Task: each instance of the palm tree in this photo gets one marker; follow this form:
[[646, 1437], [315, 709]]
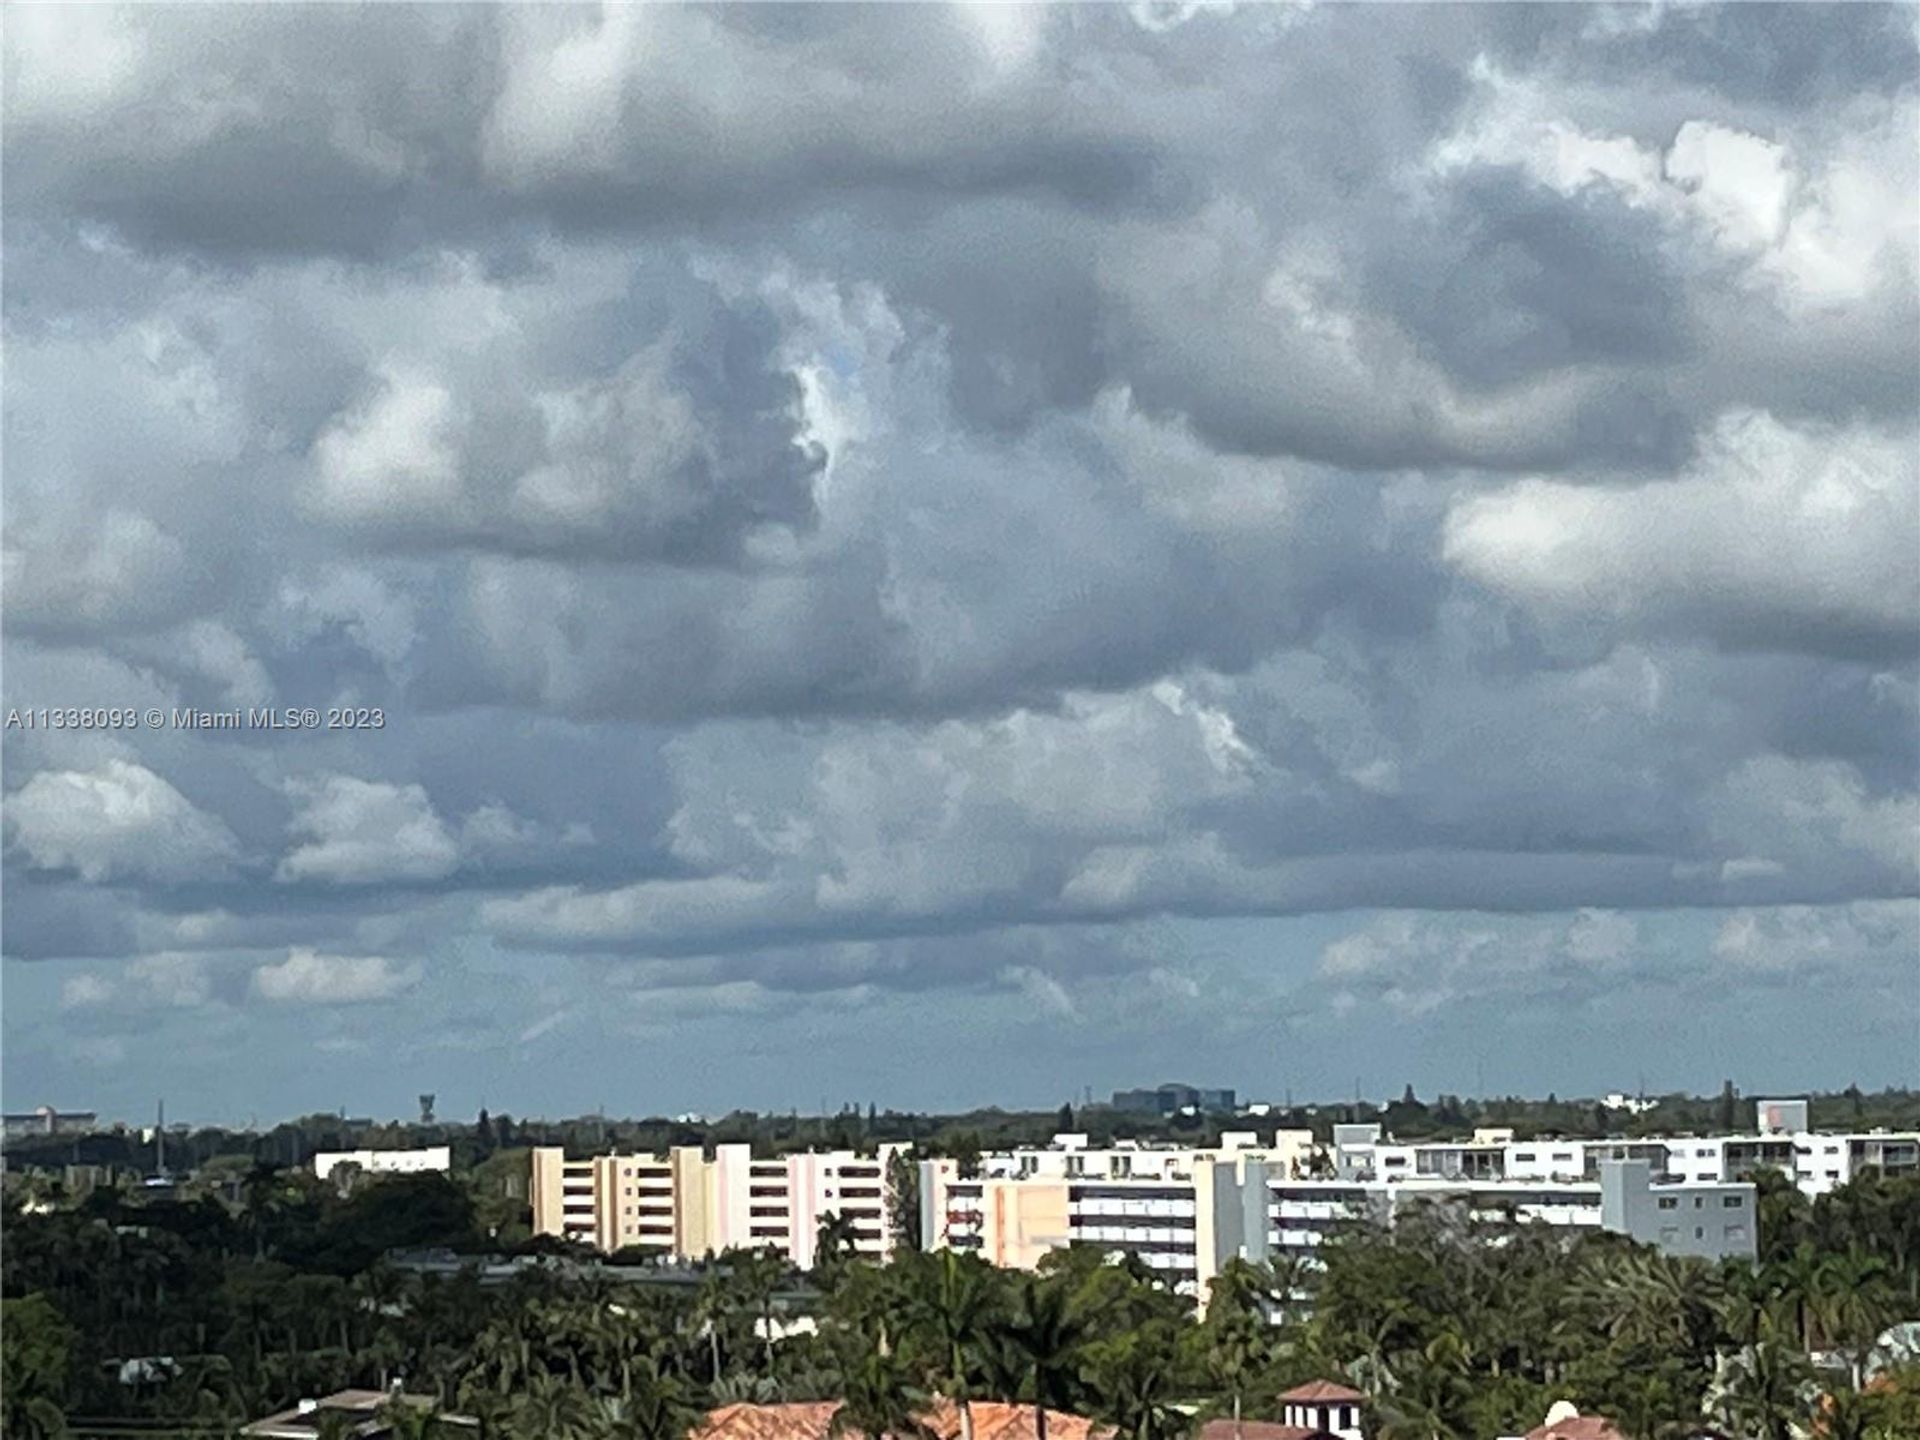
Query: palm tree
[[1767, 1391], [1238, 1339], [1749, 1302], [1042, 1339], [652, 1406], [835, 1247], [1802, 1280], [712, 1306], [878, 1396], [755, 1277], [744, 1390], [552, 1409], [951, 1314], [408, 1421], [1136, 1375], [1854, 1306]]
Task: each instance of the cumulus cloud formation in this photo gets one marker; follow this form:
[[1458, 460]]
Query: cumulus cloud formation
[[1771, 534], [360, 832], [824, 497], [306, 977], [119, 822]]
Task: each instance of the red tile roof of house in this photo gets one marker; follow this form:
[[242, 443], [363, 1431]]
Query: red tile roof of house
[[1249, 1430], [1316, 1391], [811, 1421]]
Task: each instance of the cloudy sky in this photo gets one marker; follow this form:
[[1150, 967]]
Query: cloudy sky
[[953, 555]]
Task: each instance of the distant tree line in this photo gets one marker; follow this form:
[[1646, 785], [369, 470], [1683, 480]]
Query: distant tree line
[[295, 1142]]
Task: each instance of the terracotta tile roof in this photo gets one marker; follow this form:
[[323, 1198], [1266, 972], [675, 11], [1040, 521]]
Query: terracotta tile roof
[[991, 1421], [1323, 1390], [1249, 1430], [995, 1421], [768, 1422], [1577, 1427]]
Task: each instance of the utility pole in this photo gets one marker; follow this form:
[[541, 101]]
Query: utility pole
[[160, 1140]]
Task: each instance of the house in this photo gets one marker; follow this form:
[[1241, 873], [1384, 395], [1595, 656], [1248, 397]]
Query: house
[[305, 1420], [1252, 1430], [1321, 1407], [813, 1420]]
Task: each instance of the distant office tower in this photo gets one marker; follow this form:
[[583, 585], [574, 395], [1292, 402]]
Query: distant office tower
[[1170, 1099]]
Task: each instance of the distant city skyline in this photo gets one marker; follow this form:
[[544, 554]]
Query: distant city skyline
[[950, 555]]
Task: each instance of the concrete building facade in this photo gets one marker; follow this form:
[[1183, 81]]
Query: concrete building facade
[[1714, 1221], [386, 1162], [689, 1204], [1814, 1161], [46, 1120], [1186, 1213]]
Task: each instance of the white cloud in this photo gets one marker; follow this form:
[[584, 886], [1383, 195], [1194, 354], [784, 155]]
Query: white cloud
[[364, 832], [172, 979], [1741, 183], [119, 822], [1041, 990], [307, 977], [1776, 814], [217, 652], [395, 457], [1830, 228], [1815, 943], [68, 64], [116, 569], [1773, 529], [1415, 965], [545, 1025], [379, 618], [80, 992]]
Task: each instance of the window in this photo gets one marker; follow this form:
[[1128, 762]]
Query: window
[[1698, 1233], [1667, 1202], [1731, 1202], [1698, 1202]]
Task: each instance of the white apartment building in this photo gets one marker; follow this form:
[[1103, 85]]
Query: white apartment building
[[1186, 1212], [688, 1204], [1816, 1162], [386, 1162]]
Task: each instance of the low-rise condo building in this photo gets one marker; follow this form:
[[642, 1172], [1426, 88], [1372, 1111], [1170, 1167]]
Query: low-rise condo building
[[1186, 1212], [688, 1204], [429, 1159]]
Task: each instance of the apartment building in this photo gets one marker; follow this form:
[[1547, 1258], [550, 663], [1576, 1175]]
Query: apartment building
[[46, 1120], [689, 1204], [1186, 1213], [386, 1162], [1816, 1162], [1715, 1221]]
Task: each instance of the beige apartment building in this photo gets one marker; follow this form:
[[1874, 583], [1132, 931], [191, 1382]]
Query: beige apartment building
[[1184, 1213], [690, 1204]]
